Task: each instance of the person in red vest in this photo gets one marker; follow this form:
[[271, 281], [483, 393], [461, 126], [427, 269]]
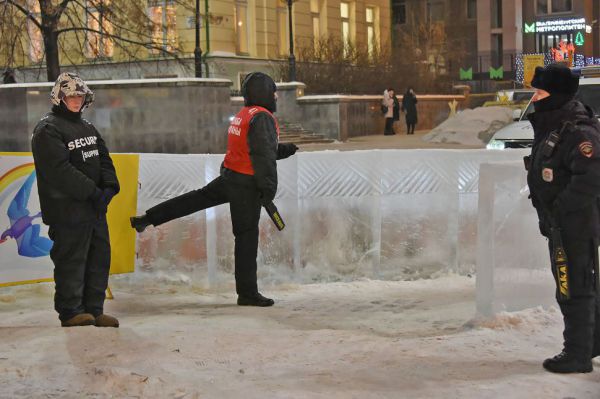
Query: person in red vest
[[248, 181]]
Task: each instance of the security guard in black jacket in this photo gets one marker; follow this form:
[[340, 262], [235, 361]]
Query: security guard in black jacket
[[564, 181], [76, 182], [248, 181]]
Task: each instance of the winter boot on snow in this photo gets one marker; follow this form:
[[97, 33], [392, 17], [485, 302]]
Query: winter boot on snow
[[139, 222], [105, 320], [82, 319], [255, 300], [567, 363]]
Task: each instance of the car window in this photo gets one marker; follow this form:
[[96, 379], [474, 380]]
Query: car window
[[522, 96], [590, 95]]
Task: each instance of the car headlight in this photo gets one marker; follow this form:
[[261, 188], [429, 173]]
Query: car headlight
[[496, 145]]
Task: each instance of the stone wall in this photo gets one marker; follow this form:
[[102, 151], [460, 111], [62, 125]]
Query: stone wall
[[149, 115]]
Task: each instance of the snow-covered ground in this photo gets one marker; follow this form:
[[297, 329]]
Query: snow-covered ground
[[362, 339]]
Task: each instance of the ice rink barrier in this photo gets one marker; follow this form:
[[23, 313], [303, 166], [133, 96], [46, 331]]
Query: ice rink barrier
[[384, 214]]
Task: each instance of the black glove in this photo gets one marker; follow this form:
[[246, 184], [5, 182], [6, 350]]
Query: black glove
[[101, 199], [266, 197], [286, 150]]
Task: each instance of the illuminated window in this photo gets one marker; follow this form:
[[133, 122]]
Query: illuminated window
[[316, 21], [370, 20], [36, 41], [345, 15], [282, 31], [163, 15], [98, 41], [241, 27]]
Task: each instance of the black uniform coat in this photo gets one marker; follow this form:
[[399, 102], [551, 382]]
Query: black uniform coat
[[566, 185], [71, 162]]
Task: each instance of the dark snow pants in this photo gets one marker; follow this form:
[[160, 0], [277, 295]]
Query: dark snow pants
[[581, 312], [245, 207], [81, 256]]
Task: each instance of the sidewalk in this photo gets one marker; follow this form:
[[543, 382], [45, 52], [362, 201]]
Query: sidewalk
[[376, 142]]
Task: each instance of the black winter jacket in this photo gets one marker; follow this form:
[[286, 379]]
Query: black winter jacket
[[71, 162], [565, 186]]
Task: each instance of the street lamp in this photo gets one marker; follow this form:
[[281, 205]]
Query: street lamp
[[198, 50], [292, 58]]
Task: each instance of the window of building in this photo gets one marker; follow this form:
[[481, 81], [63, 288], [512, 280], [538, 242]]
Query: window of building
[[98, 42], [163, 14], [497, 51], [241, 27], [435, 11], [316, 21], [544, 7], [345, 16], [496, 13], [398, 12], [282, 31], [371, 37], [472, 9], [36, 41]]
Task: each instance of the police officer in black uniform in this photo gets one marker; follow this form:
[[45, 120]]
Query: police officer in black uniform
[[564, 180], [76, 182], [248, 181]]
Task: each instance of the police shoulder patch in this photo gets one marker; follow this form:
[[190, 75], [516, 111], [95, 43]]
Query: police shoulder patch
[[586, 149]]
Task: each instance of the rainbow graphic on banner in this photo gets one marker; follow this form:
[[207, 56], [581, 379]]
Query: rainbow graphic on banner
[[22, 228], [14, 174]]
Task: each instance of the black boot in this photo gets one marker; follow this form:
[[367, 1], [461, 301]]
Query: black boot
[[255, 300], [567, 363], [139, 222]]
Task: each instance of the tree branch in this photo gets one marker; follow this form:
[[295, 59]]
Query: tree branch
[[25, 11]]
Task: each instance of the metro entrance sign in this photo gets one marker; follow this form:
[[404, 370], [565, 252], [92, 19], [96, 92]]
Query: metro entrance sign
[[556, 25]]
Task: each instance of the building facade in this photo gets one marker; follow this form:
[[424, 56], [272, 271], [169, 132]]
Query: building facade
[[560, 29], [451, 25], [237, 37]]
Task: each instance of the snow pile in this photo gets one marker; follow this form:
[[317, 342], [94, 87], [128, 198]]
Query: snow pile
[[472, 126]]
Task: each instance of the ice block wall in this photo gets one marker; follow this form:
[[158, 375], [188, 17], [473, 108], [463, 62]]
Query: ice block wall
[[386, 214], [513, 266]]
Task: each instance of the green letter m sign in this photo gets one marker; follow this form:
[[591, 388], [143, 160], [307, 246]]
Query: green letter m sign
[[530, 28], [497, 73], [466, 74]]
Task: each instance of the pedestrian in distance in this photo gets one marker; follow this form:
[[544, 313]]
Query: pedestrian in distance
[[564, 181], [247, 181], [8, 76], [409, 106], [390, 110], [76, 183]]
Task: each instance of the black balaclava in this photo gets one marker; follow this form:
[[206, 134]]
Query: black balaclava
[[64, 111], [559, 81], [259, 89]]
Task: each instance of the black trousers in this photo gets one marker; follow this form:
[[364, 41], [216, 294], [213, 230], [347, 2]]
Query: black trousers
[[389, 127], [81, 256], [581, 312], [244, 205]]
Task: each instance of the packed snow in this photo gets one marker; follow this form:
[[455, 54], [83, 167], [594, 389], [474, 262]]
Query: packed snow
[[471, 126], [362, 339]]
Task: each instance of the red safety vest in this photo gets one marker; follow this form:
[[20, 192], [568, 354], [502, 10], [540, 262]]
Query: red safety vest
[[237, 157]]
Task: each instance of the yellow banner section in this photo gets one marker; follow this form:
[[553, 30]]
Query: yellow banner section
[[530, 62], [24, 248], [124, 205]]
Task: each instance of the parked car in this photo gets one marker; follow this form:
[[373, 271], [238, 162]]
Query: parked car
[[519, 134]]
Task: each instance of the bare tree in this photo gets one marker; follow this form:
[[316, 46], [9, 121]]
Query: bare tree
[[85, 29]]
